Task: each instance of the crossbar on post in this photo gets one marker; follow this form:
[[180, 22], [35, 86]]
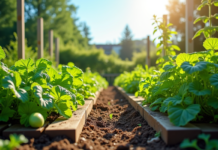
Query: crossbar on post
[[165, 22], [20, 29], [148, 62], [57, 51], [189, 27], [51, 43], [40, 37]]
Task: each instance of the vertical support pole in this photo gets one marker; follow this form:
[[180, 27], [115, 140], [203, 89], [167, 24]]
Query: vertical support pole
[[40, 37], [20, 29], [189, 27], [57, 51], [165, 42], [50, 43], [148, 62]]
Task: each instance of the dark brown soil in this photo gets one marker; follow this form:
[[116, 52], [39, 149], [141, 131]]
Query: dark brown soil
[[126, 130]]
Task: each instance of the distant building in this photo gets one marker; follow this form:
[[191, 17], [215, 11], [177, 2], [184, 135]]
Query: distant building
[[109, 47]]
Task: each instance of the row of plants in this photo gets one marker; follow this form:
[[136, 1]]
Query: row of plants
[[185, 86], [30, 87]]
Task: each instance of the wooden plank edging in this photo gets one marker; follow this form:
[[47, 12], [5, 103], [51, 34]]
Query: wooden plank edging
[[61, 126], [72, 127], [160, 122]]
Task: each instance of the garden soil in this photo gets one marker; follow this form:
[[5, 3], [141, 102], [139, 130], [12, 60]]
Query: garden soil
[[125, 130]]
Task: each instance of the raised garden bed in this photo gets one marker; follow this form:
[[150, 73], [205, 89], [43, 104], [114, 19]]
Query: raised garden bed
[[126, 130], [160, 122], [61, 126]]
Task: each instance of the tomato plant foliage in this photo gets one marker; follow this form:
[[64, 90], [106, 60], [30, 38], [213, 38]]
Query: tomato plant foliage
[[29, 87]]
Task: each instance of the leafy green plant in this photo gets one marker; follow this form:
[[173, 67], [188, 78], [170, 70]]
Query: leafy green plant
[[15, 141], [208, 31], [129, 81], [210, 144], [28, 87]]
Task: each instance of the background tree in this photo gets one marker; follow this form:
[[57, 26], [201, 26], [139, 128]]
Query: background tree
[[127, 44], [7, 21], [86, 32]]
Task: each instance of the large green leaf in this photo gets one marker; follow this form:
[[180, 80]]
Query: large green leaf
[[183, 89], [44, 99], [157, 102], [211, 43], [6, 113], [183, 57], [214, 80], [197, 89], [180, 115], [63, 107], [177, 99], [26, 109], [165, 75], [199, 66], [64, 80], [13, 82], [80, 99], [213, 102], [2, 53], [43, 64], [59, 93], [24, 66]]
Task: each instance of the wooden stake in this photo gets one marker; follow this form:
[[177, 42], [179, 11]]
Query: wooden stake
[[148, 62], [51, 43], [40, 37], [20, 29], [166, 22], [189, 27], [57, 51]]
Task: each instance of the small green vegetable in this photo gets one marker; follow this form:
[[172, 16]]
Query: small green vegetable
[[36, 120]]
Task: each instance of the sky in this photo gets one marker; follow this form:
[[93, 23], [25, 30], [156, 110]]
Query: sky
[[108, 18]]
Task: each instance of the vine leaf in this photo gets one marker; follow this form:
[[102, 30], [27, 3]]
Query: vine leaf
[[199, 66], [197, 89], [214, 80], [180, 115], [211, 43]]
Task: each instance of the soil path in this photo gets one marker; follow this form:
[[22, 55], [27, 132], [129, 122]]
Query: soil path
[[126, 130]]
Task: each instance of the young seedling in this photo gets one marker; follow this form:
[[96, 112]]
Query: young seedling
[[157, 134], [111, 116]]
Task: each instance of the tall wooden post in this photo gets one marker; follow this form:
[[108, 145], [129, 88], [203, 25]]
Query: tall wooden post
[[57, 51], [51, 43], [189, 27], [20, 29], [148, 62], [40, 37], [165, 42]]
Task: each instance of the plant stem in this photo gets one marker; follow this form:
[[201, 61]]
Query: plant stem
[[210, 19]]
